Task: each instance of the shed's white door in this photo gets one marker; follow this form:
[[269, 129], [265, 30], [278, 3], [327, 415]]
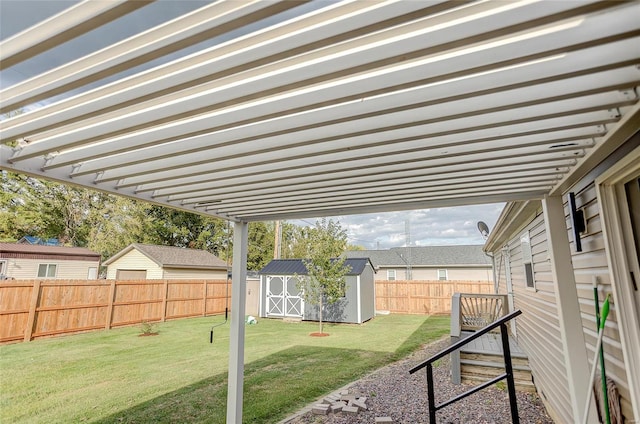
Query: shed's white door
[[283, 297]]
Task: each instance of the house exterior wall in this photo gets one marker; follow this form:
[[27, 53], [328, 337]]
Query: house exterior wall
[[134, 260], [431, 274], [27, 269], [538, 329], [186, 273], [344, 310]]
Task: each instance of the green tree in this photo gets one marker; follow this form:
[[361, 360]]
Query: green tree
[[261, 239], [325, 281]]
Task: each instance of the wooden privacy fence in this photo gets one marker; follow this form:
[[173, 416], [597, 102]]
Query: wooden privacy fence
[[424, 297], [38, 308]]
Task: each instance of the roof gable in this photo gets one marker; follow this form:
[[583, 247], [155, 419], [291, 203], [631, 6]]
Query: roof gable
[[174, 257]]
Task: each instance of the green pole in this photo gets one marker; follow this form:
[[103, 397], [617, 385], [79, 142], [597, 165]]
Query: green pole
[[600, 324]]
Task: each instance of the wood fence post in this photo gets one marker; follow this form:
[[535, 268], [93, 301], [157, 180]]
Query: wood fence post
[[408, 298], [165, 295], [33, 305], [204, 299], [112, 296]]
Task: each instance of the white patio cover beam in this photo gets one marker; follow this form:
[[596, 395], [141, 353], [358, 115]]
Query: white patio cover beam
[[66, 25], [569, 316], [554, 36], [235, 383], [201, 24]]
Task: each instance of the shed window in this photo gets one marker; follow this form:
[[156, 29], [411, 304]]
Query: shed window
[[442, 274], [391, 274], [527, 260], [47, 270]]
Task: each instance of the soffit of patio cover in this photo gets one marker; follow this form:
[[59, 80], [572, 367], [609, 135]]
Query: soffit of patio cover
[[350, 107]]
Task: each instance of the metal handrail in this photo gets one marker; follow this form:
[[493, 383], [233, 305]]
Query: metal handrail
[[508, 375]]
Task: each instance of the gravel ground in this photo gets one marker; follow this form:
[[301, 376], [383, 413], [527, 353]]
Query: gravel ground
[[392, 392]]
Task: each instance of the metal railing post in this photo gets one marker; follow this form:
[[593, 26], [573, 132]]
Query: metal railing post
[[508, 367], [431, 395]]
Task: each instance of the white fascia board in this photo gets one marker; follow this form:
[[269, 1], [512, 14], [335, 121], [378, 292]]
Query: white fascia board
[[246, 154], [556, 36], [173, 35], [70, 23], [207, 147], [227, 58], [376, 155]]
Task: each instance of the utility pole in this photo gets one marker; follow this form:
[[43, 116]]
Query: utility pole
[[277, 243]]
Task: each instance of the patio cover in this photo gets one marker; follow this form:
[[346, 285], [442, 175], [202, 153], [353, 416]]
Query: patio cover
[[284, 109]]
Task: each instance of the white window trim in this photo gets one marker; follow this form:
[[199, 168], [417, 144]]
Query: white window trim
[[607, 186], [525, 239], [389, 276], [446, 274], [48, 264]]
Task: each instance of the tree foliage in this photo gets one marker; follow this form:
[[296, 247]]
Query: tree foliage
[[325, 282]]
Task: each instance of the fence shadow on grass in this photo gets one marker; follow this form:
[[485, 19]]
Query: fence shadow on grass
[[274, 386]]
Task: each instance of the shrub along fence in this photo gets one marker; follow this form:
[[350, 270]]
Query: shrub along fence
[[424, 297], [39, 308]]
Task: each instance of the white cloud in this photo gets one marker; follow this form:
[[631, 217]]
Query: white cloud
[[428, 227]]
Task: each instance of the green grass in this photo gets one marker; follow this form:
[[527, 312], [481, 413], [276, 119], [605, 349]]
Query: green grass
[[177, 376]]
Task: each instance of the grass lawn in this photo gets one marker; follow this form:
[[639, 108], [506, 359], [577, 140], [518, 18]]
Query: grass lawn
[[178, 377]]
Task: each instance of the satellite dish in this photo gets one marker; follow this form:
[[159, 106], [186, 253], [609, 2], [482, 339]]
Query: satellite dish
[[483, 228]]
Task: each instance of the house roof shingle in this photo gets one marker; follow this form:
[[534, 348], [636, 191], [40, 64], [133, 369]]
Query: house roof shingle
[[174, 257], [426, 256], [45, 252]]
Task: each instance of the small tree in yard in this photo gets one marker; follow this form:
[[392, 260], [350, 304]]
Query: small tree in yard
[[325, 280]]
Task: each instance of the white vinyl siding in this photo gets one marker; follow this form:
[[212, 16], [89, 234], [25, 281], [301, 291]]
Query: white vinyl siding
[[27, 269], [538, 330], [592, 264], [184, 273], [134, 260]]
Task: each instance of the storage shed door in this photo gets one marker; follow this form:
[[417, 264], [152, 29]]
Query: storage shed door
[[283, 297], [131, 274]]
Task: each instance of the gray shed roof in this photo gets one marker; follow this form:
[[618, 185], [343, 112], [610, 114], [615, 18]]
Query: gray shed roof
[[174, 257], [296, 266], [426, 256]]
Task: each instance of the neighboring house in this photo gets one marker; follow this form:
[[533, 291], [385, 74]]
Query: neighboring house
[[38, 240], [280, 297], [144, 261], [30, 261], [544, 273], [451, 263]]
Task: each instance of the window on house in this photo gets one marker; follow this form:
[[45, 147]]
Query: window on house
[[47, 270], [391, 274], [442, 274], [527, 260], [3, 268]]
